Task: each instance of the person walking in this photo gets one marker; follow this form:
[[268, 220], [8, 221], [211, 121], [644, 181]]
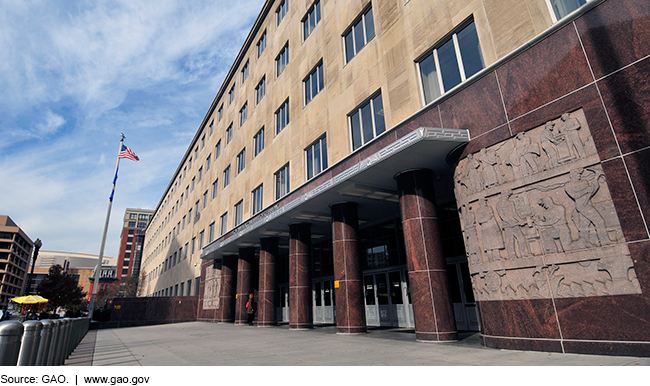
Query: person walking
[[250, 309]]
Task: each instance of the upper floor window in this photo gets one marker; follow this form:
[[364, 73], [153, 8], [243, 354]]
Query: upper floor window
[[561, 8], [244, 72], [282, 10], [200, 173], [215, 186], [451, 62], [316, 157], [193, 181], [359, 34], [224, 224], [367, 122], [208, 162], [282, 182], [211, 127], [205, 199], [257, 194], [258, 142], [282, 117], [239, 212], [243, 114], [282, 59], [313, 83], [261, 44], [203, 142], [241, 161], [310, 20], [229, 134], [217, 149], [226, 176], [220, 113], [189, 163], [260, 90], [210, 233], [231, 94]]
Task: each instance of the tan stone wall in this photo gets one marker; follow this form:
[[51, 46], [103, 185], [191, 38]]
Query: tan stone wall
[[405, 30]]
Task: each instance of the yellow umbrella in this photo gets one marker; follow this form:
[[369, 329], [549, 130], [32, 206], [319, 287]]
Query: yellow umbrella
[[29, 299]]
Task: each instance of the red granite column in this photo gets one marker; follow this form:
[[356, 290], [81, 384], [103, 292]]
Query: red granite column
[[299, 276], [350, 309], [267, 284], [227, 293], [432, 306], [244, 286]]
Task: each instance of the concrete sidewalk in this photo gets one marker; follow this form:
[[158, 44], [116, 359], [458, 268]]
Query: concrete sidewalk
[[210, 344]]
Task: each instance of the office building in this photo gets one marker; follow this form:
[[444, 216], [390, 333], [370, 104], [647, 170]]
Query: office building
[[15, 257]]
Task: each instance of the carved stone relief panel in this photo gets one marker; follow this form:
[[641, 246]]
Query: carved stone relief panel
[[212, 289], [538, 218]]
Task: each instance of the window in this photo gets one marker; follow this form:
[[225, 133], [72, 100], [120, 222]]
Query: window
[[208, 162], [211, 233], [359, 35], [196, 207], [316, 157], [282, 117], [193, 244], [561, 8], [256, 206], [215, 186], [201, 239], [211, 127], [217, 150], [202, 142], [189, 216], [241, 161], [311, 19], [143, 217], [224, 224], [261, 44], [229, 134], [282, 59], [260, 90], [231, 94], [190, 163], [258, 142], [205, 199], [226, 176], [282, 182], [200, 173], [196, 154], [220, 113], [244, 72], [367, 122], [184, 217], [282, 10], [193, 181], [239, 212], [313, 83], [243, 114], [450, 63], [133, 216], [142, 224]]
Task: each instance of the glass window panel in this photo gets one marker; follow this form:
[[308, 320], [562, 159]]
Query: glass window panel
[[378, 108], [470, 50], [565, 7], [321, 82], [369, 289], [310, 163], [370, 26], [324, 152], [429, 75], [314, 83], [382, 289], [317, 168], [448, 65], [356, 131], [349, 46], [395, 287], [454, 286], [366, 123], [359, 41], [327, 293], [317, 294]]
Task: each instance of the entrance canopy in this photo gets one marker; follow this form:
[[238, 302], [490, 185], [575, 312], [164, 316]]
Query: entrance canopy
[[364, 179]]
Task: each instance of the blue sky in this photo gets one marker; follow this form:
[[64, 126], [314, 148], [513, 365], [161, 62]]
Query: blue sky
[[74, 75]]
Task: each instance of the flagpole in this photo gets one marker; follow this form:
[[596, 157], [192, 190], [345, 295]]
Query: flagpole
[[98, 268]]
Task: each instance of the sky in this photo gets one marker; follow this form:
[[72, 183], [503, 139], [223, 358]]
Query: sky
[[76, 74]]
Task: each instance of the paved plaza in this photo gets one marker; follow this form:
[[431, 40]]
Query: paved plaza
[[211, 344]]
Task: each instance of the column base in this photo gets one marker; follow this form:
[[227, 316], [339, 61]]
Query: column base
[[436, 337], [351, 330], [266, 324], [300, 327]]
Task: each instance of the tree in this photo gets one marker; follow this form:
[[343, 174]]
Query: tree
[[60, 288]]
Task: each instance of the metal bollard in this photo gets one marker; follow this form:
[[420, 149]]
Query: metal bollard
[[46, 340], [11, 333], [56, 332], [31, 341], [63, 337]]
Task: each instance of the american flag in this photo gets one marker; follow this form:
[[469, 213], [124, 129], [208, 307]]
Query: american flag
[[128, 154]]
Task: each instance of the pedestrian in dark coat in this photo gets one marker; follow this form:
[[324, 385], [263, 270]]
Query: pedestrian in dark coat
[[250, 309]]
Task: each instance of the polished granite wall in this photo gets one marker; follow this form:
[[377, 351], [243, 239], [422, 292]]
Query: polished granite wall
[[129, 312]]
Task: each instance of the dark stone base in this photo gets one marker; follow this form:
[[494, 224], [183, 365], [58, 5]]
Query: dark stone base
[[436, 337], [616, 348]]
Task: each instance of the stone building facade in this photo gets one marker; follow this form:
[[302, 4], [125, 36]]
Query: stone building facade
[[445, 166]]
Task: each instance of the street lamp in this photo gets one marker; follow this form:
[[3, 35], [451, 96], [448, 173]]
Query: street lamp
[[37, 245]]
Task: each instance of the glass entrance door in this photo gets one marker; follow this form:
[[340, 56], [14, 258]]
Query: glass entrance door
[[462, 295], [282, 311], [387, 299], [324, 310]]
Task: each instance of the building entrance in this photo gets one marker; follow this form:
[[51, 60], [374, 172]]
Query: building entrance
[[282, 310], [462, 295], [387, 299], [323, 301]]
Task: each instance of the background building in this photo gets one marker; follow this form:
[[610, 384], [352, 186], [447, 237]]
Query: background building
[[15, 258], [440, 166], [132, 241]]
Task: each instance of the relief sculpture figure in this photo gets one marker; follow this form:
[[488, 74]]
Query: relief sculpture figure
[[528, 153], [553, 227], [569, 128], [489, 161], [474, 181], [490, 231], [581, 188], [549, 145], [471, 235], [512, 224]]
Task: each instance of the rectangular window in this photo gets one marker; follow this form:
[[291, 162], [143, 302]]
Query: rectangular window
[[282, 117], [211, 233], [243, 114], [200, 173], [193, 181], [215, 186], [451, 62], [282, 182], [361, 32], [367, 122], [313, 84], [244, 72], [201, 239], [197, 205], [241, 161], [226, 176], [260, 90], [184, 222], [190, 163], [239, 212], [561, 8], [258, 142], [231, 94], [224, 224], [211, 127], [261, 44], [193, 244], [311, 19], [257, 194], [189, 217], [208, 162], [316, 157], [282, 60], [205, 199], [229, 134], [282, 10], [220, 113], [203, 142], [217, 150]]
